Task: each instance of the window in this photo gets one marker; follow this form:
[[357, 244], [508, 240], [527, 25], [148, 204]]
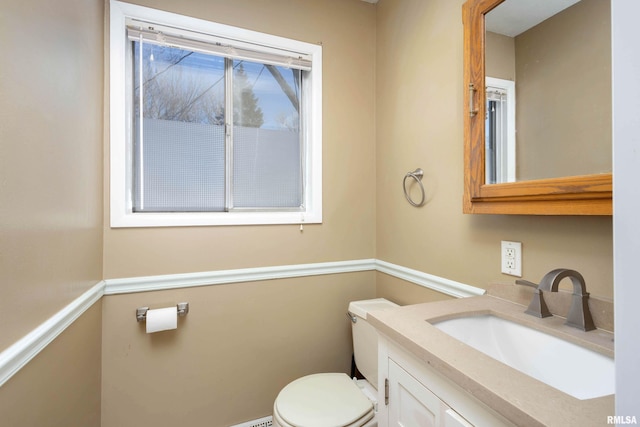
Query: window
[[211, 124], [500, 131]]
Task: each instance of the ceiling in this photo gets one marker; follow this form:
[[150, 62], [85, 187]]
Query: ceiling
[[516, 16]]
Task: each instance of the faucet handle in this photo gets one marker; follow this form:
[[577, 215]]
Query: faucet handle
[[537, 306], [579, 315]]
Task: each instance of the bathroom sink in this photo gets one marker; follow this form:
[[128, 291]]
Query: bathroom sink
[[570, 368]]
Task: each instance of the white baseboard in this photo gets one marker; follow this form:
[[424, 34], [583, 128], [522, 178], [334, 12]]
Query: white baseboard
[[19, 354], [261, 422]]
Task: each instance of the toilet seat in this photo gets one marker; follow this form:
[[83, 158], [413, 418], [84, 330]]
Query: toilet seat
[[322, 400]]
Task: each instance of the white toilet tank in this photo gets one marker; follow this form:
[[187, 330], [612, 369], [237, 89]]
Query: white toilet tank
[[365, 337]]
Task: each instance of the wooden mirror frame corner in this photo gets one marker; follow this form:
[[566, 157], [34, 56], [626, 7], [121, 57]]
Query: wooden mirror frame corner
[[574, 195]]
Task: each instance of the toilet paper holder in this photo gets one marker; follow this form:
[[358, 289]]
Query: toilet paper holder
[[141, 312]]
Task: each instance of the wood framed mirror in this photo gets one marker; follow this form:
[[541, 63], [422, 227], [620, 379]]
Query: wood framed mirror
[[576, 194]]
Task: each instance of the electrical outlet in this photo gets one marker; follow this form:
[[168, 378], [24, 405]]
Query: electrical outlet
[[511, 258]]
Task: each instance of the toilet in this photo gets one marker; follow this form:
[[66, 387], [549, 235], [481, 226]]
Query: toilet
[[335, 399]]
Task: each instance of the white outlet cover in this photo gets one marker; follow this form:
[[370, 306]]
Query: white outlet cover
[[511, 258]]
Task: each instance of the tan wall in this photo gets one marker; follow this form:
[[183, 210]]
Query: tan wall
[[563, 93], [202, 371], [51, 203], [241, 343], [61, 385], [231, 355], [346, 30], [419, 124], [51, 162], [500, 56]]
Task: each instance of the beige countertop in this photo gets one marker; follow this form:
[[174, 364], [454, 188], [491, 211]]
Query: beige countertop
[[518, 397]]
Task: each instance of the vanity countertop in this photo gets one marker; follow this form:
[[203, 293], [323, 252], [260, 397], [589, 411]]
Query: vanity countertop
[[516, 396]]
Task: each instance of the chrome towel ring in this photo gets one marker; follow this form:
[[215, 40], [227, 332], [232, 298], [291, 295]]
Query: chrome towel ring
[[417, 176]]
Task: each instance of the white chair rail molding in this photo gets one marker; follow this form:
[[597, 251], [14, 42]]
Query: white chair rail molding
[[20, 353]]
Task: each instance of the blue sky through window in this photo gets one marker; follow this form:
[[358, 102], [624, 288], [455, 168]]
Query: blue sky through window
[[195, 76]]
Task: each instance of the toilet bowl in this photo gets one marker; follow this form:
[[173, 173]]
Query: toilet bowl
[[334, 399], [323, 400]]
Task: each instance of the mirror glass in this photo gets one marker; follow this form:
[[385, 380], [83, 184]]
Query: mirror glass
[[548, 78]]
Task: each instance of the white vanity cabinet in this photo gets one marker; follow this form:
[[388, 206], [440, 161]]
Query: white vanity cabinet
[[413, 394], [413, 404]]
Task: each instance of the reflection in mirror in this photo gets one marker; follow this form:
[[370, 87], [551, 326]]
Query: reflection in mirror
[[500, 131], [558, 63]]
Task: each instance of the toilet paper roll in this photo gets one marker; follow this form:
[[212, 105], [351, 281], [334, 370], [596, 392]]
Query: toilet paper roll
[[162, 319]]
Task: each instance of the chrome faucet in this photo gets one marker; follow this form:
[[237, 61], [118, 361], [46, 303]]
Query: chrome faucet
[[579, 315]]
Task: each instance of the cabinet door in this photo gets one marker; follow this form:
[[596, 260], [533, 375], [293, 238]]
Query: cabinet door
[[411, 404], [453, 419]]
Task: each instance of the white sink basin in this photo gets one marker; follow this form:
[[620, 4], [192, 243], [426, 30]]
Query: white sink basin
[[575, 370]]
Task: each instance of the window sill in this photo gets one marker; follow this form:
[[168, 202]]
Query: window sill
[[131, 220]]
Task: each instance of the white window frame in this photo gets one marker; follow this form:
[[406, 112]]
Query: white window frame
[[506, 145], [121, 211]]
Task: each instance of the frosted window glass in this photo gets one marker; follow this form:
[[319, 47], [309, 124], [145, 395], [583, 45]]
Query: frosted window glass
[[179, 157], [211, 124], [267, 170], [183, 167]]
